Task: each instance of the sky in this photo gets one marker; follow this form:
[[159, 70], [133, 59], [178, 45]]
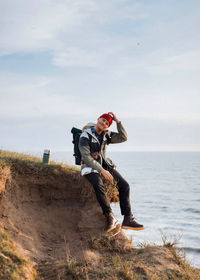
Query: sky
[[64, 63]]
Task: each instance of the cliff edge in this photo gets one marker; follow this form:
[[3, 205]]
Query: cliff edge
[[52, 227]]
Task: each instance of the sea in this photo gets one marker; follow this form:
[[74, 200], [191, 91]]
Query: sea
[[164, 195]]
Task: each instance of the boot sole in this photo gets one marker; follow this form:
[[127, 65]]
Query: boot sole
[[117, 225], [131, 228]]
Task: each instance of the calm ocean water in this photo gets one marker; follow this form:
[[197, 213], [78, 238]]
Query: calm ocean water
[[165, 196]]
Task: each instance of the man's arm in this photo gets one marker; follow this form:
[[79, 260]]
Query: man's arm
[[121, 135], [84, 148]]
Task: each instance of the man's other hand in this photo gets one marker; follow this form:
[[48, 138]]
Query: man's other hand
[[106, 174]]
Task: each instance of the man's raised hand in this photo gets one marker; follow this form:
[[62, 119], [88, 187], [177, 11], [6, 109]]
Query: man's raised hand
[[114, 117]]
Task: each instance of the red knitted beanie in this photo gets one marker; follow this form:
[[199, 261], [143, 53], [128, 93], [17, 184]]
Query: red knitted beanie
[[108, 117]]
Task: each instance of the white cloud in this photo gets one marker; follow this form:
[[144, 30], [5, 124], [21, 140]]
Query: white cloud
[[33, 97], [116, 55], [91, 33], [25, 96], [76, 57], [36, 25], [182, 119], [50, 25], [184, 62]]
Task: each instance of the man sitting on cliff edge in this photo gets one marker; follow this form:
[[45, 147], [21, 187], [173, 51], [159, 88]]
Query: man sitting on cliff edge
[[92, 145]]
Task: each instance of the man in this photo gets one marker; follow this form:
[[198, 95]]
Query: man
[[92, 145]]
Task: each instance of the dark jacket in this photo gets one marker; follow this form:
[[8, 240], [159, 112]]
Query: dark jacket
[[89, 143]]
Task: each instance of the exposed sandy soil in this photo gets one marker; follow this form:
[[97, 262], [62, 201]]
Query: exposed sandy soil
[[51, 216]]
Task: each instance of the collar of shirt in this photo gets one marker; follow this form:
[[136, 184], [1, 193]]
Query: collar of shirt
[[99, 137]]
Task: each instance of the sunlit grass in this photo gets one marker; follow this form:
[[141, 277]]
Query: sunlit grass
[[18, 161]]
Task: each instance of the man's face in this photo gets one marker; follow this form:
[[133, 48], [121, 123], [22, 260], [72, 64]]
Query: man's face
[[102, 123]]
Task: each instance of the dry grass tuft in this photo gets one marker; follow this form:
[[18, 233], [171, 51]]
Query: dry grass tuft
[[111, 190], [110, 244], [12, 265]]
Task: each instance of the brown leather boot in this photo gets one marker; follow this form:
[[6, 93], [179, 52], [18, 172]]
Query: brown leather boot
[[111, 222], [130, 223]]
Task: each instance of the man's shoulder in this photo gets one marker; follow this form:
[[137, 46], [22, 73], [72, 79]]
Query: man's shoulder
[[85, 133]]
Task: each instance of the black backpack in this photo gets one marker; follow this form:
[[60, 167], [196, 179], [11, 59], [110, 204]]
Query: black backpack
[[76, 135]]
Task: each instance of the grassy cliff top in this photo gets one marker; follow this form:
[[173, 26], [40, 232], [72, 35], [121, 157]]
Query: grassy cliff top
[[18, 161]]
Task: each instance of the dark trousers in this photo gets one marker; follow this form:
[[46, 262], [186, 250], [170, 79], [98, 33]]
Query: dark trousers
[[123, 188]]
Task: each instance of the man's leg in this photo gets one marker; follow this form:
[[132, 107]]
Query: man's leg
[[124, 192], [97, 183]]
